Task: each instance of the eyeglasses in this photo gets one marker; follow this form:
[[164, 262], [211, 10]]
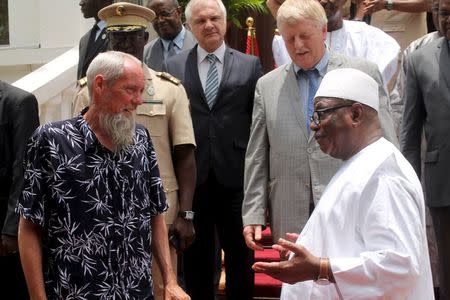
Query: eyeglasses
[[318, 114], [164, 14]]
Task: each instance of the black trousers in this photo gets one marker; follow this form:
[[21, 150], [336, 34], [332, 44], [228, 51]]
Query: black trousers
[[12, 281], [216, 206], [441, 223]]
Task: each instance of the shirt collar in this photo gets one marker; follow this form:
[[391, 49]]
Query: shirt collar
[[219, 53], [90, 140], [101, 25], [321, 66], [178, 40]]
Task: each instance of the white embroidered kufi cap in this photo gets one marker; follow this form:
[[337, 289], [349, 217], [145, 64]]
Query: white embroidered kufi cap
[[350, 84]]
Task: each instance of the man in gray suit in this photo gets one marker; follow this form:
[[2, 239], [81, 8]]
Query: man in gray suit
[[285, 170], [173, 37], [427, 108], [220, 83]]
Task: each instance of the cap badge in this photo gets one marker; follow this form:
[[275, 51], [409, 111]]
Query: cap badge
[[120, 10]]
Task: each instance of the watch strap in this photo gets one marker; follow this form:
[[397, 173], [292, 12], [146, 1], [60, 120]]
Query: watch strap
[[323, 269], [187, 215], [389, 4]]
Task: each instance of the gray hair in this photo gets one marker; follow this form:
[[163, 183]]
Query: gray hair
[[188, 10], [109, 65], [293, 11]]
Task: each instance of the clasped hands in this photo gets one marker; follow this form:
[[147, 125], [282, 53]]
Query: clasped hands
[[185, 232]]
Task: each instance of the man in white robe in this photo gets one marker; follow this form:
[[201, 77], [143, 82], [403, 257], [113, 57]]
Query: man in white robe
[[366, 237], [350, 38]]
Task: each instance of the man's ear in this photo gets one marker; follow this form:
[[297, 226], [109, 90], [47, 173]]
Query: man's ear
[[98, 85], [357, 113], [179, 10]]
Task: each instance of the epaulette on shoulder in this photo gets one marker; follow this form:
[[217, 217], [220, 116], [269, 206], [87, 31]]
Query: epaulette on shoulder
[[82, 82], [168, 77]]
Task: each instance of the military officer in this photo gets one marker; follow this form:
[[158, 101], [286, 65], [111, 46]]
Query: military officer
[[165, 113]]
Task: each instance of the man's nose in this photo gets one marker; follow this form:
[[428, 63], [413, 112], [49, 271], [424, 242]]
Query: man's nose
[[298, 43], [138, 99], [313, 126], [208, 24]]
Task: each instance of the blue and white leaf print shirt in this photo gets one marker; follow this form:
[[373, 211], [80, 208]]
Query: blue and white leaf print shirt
[[94, 209]]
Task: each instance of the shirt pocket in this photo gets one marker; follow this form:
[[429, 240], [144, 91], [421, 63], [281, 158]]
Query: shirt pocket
[[153, 116]]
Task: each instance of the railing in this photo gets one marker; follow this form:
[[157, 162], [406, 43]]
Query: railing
[[54, 86]]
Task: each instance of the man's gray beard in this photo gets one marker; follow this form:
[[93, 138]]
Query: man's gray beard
[[119, 128]]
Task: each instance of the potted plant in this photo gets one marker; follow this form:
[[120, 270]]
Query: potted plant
[[235, 7]]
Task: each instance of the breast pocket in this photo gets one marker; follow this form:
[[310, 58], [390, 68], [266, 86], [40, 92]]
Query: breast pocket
[[153, 116]]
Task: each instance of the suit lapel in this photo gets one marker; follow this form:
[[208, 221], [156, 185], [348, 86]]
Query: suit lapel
[[192, 78], [189, 40], [442, 59], [84, 46], [100, 42], [292, 94], [157, 55], [228, 61]]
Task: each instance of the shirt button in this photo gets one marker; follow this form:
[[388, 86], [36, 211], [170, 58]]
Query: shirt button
[[307, 185], [309, 150]]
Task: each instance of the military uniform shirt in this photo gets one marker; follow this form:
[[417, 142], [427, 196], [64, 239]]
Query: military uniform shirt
[[165, 113]]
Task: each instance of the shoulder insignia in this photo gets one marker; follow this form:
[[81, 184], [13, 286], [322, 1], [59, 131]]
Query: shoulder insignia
[[168, 77], [82, 82]]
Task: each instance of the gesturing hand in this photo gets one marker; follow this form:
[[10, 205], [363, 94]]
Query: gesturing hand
[[303, 266]]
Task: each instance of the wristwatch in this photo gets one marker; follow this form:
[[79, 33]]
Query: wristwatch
[[389, 4], [323, 278], [187, 215]]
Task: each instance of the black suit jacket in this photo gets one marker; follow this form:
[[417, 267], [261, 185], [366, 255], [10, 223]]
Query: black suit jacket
[[88, 52], [18, 119], [221, 133]]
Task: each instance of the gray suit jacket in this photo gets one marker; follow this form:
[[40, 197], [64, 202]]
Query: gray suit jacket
[[427, 107], [284, 166], [154, 51]]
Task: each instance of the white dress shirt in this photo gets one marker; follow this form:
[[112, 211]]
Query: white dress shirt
[[101, 25], [203, 63], [370, 222]]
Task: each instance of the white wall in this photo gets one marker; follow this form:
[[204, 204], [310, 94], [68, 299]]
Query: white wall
[[39, 31]]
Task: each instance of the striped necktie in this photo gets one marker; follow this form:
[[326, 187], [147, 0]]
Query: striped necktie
[[212, 81]]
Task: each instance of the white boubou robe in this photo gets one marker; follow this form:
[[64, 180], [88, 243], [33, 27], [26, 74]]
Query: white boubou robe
[[370, 222]]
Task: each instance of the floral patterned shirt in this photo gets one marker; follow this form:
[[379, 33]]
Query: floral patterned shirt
[[94, 209]]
